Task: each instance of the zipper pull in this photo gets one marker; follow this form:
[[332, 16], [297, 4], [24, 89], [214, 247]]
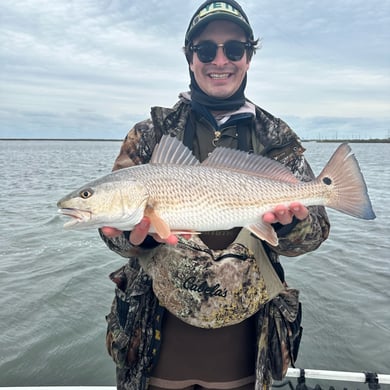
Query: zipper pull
[[217, 136]]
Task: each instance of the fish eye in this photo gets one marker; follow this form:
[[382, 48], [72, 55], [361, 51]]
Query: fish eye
[[87, 193]]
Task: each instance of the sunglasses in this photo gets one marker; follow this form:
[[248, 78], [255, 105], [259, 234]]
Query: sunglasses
[[233, 50]]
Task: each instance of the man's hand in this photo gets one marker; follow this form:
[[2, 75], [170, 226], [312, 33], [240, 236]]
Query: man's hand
[[139, 233], [284, 215]]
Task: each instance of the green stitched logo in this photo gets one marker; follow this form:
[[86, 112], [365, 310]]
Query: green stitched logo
[[216, 7]]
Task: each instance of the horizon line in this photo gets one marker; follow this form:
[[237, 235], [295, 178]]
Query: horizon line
[[386, 140]]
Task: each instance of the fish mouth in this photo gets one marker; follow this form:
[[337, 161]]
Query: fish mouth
[[77, 216]]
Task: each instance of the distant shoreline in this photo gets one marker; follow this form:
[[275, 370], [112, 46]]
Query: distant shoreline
[[354, 140]]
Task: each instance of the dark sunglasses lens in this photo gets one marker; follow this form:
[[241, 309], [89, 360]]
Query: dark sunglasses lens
[[234, 50], [207, 51]]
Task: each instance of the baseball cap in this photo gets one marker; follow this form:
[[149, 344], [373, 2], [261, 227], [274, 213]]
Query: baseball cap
[[210, 11]]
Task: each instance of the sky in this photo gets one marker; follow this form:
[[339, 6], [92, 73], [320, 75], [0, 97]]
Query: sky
[[93, 68]]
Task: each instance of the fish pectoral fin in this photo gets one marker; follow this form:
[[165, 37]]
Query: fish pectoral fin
[[160, 226], [265, 232]]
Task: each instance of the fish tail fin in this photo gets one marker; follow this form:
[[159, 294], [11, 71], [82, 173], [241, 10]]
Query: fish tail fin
[[349, 192]]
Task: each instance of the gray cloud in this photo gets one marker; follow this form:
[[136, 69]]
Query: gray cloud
[[92, 68]]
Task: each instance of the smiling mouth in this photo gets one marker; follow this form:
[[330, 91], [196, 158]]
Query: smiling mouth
[[219, 76]]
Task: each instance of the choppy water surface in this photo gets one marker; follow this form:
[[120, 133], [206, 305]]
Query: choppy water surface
[[55, 293]]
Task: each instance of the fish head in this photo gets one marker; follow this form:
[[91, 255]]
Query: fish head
[[112, 201]]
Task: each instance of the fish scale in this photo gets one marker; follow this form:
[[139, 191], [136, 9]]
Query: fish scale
[[211, 190]]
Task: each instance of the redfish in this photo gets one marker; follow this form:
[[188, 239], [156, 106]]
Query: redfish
[[229, 189]]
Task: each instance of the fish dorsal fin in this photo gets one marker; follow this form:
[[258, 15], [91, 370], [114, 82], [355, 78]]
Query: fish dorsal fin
[[250, 164], [171, 151]]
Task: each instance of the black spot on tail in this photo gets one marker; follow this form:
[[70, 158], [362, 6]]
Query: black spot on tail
[[327, 181]]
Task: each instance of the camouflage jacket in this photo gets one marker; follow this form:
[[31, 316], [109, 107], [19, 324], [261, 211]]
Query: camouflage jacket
[[134, 323]]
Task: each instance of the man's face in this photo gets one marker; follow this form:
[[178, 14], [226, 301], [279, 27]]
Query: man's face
[[221, 77]]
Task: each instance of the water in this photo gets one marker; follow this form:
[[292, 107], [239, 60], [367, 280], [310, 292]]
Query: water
[[55, 293]]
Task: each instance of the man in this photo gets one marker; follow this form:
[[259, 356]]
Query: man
[[176, 322]]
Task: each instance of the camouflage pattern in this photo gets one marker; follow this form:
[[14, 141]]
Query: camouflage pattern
[[278, 337], [132, 336], [134, 324], [220, 288]]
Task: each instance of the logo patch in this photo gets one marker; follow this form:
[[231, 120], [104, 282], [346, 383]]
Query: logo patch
[[191, 284], [216, 7]]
